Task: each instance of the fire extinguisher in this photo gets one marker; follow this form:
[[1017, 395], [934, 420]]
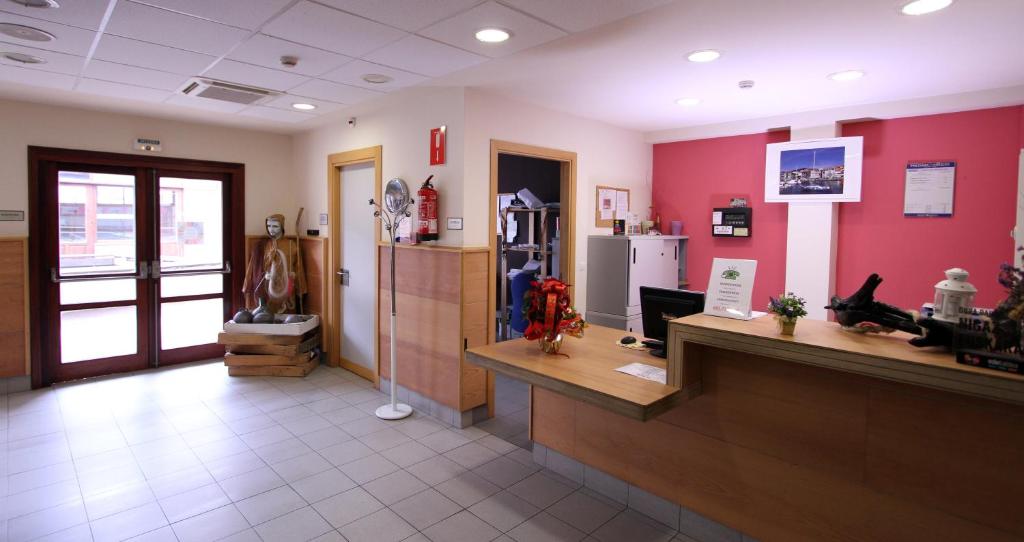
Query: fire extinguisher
[[427, 196]]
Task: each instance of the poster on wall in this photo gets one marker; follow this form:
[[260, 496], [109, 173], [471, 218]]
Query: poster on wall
[[814, 170], [928, 189]]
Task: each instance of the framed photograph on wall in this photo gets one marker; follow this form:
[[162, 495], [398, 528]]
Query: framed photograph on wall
[[814, 170]]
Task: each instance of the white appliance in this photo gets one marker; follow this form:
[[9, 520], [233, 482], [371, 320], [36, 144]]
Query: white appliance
[[618, 265]]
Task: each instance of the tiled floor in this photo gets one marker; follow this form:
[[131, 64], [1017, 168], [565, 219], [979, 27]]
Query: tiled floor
[[511, 411], [190, 454]]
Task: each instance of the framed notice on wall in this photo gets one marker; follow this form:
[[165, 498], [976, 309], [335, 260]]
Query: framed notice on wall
[[928, 189], [612, 203]]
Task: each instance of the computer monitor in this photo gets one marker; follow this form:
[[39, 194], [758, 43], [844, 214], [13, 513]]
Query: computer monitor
[[659, 305]]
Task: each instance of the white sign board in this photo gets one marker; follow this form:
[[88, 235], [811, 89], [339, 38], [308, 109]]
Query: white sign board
[[929, 189], [730, 288]]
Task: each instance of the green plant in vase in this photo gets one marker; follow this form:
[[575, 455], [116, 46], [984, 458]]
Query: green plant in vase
[[787, 309]]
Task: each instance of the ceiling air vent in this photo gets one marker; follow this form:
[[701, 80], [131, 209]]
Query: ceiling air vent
[[227, 92]]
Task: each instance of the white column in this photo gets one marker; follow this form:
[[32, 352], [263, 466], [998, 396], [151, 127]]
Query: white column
[[811, 239]]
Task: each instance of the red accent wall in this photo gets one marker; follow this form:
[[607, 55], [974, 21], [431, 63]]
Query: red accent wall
[[911, 253], [690, 178]]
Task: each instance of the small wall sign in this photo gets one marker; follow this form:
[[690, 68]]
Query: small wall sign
[[323, 219], [437, 136], [17, 216], [455, 223], [147, 144]]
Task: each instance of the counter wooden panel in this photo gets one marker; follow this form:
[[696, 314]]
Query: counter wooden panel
[[825, 344], [14, 328], [587, 374]]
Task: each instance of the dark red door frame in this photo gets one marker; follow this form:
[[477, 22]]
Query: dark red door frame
[[41, 160]]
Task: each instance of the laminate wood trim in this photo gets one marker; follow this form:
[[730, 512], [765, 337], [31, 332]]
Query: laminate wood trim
[[20, 244], [885, 357], [359, 370]]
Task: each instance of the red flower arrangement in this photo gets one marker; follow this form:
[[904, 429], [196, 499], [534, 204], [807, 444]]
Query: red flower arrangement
[[550, 313]]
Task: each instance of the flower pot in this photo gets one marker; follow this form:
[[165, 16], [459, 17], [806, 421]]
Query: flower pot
[[551, 346], [786, 325]]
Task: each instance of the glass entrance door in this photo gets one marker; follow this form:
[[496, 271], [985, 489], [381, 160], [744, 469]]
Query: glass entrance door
[[135, 263]]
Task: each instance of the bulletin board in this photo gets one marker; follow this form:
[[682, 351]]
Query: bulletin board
[[609, 203]]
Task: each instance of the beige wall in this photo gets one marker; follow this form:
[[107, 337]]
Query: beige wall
[[269, 183], [605, 155], [401, 123]]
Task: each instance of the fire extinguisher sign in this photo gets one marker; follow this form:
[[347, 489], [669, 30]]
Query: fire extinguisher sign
[[437, 136]]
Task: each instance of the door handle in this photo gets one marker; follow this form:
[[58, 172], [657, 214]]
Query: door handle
[[343, 276], [226, 270], [56, 278]]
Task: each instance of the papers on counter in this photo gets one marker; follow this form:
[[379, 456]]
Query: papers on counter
[[647, 372]]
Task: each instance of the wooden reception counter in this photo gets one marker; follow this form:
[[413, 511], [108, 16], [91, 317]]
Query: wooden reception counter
[[824, 436]]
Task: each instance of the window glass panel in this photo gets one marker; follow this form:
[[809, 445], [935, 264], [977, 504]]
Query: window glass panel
[[191, 224], [96, 222], [97, 291], [191, 285], [190, 323], [98, 333]]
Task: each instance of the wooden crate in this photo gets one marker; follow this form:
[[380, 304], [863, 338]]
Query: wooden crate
[[275, 349], [275, 370]]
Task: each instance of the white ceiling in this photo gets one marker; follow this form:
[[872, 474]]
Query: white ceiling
[[146, 50], [619, 61]]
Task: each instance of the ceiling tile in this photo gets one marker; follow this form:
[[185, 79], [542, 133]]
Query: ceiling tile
[[81, 13], [461, 29], [578, 15], [55, 62], [427, 57], [330, 29], [119, 90], [249, 14], [141, 22], [205, 103], [333, 92], [285, 102], [70, 39], [280, 115], [353, 72], [36, 78], [257, 76], [133, 75], [149, 55], [410, 15], [267, 51]]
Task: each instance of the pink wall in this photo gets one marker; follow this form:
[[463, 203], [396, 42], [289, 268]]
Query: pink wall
[[911, 253], [692, 177]]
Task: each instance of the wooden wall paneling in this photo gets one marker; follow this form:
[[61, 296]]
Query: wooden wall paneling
[[314, 261], [14, 326], [475, 323], [804, 415], [958, 454]]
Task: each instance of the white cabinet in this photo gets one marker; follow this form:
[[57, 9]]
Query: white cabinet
[[619, 265]]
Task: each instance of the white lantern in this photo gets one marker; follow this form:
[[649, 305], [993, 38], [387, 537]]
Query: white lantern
[[953, 294]]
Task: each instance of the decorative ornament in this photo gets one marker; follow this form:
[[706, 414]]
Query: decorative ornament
[[550, 314]]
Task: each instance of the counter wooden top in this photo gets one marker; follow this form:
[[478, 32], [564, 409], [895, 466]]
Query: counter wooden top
[[588, 374], [826, 344]]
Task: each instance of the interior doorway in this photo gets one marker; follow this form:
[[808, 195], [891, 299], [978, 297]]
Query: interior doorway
[[351, 342], [532, 234], [131, 260]]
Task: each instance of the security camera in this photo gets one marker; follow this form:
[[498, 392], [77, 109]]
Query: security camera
[[352, 122]]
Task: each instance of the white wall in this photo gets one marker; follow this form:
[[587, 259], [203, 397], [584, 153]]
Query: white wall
[[605, 155], [269, 183], [401, 123]]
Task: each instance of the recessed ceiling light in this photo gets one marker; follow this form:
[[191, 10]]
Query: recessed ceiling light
[[688, 102], [304, 106], [23, 32], [846, 75], [704, 55], [377, 78], [22, 58], [37, 3], [921, 7], [492, 35]]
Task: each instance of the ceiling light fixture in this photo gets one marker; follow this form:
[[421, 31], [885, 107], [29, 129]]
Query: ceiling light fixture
[[846, 75], [45, 4], [922, 7], [492, 35], [377, 78], [304, 106], [22, 58], [704, 55], [22, 32], [688, 102]]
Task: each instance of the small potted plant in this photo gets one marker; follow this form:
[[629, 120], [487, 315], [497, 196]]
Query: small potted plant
[[787, 309]]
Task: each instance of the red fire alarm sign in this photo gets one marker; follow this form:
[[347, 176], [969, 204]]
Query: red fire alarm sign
[[437, 145]]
